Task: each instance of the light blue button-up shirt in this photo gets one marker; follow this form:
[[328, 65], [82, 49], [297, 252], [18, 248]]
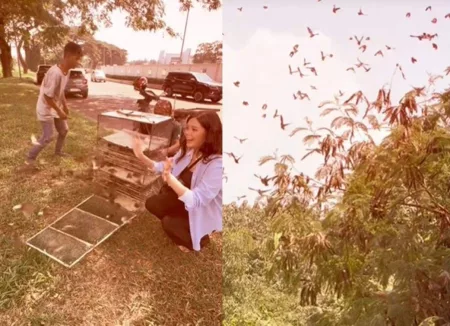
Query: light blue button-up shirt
[[204, 200]]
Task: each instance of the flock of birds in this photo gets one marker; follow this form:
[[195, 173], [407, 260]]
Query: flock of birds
[[362, 42]]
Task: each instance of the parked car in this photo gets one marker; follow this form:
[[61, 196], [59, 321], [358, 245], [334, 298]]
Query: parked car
[[77, 83], [98, 76], [41, 71], [198, 85]]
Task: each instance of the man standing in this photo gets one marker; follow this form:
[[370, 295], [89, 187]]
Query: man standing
[[51, 106]]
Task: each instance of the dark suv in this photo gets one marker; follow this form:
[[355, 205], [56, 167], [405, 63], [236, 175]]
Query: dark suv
[[77, 83], [41, 71], [198, 85]]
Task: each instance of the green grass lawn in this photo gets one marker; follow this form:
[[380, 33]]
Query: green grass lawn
[[136, 277]]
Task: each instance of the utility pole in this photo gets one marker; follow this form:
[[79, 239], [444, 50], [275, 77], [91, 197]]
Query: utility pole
[[184, 35]]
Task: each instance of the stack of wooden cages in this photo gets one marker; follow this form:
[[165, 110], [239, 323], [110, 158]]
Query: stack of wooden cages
[[119, 171]]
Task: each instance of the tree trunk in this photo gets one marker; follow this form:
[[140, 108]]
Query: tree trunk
[[32, 55], [5, 49], [21, 59]]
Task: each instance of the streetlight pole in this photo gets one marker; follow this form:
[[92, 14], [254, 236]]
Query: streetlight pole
[[184, 35]]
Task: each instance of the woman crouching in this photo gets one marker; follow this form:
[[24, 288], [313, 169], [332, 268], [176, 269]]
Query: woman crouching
[[189, 204]]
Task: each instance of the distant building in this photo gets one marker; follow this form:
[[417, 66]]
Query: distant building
[[174, 58]]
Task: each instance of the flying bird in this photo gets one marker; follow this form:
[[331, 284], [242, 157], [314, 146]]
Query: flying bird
[[358, 41], [236, 160], [265, 7], [241, 140], [434, 21], [389, 48], [428, 8], [260, 192], [282, 124], [240, 9], [447, 16], [335, 9], [408, 14], [363, 48], [360, 13], [301, 74], [313, 87], [351, 68], [265, 180], [303, 95], [324, 56], [379, 53], [264, 107], [305, 63], [413, 60], [435, 46], [237, 83], [311, 34], [245, 103], [276, 114], [313, 70]]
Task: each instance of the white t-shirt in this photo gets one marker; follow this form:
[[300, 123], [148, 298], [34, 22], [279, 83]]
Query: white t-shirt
[[53, 86]]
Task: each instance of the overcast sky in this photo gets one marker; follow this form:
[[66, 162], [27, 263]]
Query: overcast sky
[[203, 26], [257, 44]]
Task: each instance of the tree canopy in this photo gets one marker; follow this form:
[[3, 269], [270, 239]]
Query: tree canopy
[[208, 52], [51, 19]]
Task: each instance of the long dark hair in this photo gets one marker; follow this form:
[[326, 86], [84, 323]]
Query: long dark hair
[[210, 121]]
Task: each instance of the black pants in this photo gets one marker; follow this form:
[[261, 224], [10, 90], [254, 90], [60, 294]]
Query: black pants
[[174, 218]]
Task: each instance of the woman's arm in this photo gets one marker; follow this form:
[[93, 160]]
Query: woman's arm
[[207, 189]]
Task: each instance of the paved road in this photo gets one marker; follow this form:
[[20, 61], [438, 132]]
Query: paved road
[[111, 96], [124, 90]]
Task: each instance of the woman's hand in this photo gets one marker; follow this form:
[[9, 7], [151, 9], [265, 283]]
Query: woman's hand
[[167, 169]]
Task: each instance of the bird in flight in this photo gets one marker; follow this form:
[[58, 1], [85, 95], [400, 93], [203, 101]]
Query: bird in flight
[[245, 103], [240, 9], [282, 124], [259, 191], [360, 13], [379, 53], [265, 180], [313, 70], [237, 83], [324, 56], [241, 140], [335, 9], [428, 8], [311, 34], [236, 159]]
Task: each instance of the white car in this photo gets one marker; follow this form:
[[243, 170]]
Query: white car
[[98, 76]]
